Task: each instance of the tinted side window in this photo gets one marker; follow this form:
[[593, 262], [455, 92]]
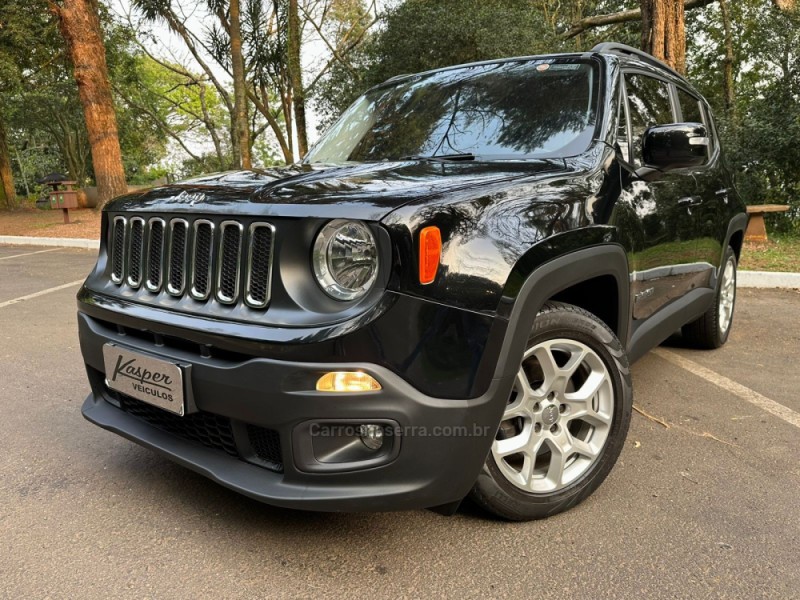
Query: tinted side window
[[693, 112], [622, 128], [690, 107], [712, 132], [649, 104]]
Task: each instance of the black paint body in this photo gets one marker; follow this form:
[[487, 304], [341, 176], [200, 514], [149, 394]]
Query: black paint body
[[641, 251]]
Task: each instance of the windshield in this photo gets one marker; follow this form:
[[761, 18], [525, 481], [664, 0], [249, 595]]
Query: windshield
[[513, 110]]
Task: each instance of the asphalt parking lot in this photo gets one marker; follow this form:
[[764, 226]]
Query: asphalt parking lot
[[707, 506]]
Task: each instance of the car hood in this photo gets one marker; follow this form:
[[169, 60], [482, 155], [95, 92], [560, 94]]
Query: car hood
[[362, 191]]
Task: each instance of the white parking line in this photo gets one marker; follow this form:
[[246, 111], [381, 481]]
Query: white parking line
[[745, 393], [29, 253], [41, 293]]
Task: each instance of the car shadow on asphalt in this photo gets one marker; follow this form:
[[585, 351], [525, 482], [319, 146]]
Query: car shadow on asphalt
[[182, 489]]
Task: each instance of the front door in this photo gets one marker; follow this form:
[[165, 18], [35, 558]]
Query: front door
[[663, 241]]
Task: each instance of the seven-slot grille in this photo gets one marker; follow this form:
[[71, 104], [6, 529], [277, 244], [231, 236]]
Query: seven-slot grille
[[200, 259]]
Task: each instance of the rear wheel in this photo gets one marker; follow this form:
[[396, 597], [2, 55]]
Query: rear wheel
[[713, 328], [565, 422]]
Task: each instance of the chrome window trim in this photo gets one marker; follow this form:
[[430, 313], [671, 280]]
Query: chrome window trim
[[155, 288], [113, 250], [249, 266], [221, 258], [131, 282], [171, 290], [193, 291]]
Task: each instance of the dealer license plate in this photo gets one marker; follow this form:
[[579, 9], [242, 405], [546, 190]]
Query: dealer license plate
[[152, 380]]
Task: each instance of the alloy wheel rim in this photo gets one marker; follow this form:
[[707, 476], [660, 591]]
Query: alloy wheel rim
[[727, 296], [558, 418]]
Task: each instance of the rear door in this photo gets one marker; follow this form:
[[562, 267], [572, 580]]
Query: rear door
[[712, 190]]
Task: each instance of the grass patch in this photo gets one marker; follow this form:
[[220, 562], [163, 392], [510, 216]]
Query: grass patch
[[779, 254]]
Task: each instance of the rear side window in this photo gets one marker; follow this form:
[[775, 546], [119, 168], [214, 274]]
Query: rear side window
[[693, 111], [712, 132], [622, 128], [690, 107], [649, 104]]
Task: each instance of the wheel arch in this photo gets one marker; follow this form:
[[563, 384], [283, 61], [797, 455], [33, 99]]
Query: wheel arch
[[734, 237], [565, 277]]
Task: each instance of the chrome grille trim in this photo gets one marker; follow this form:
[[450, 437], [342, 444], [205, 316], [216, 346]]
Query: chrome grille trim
[[229, 261], [193, 261], [156, 229], [135, 254], [195, 292], [255, 298], [117, 250], [176, 256]]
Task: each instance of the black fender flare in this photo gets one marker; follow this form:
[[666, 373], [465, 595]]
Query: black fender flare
[[552, 277], [737, 223]]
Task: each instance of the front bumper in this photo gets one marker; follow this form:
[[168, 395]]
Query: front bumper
[[437, 452]]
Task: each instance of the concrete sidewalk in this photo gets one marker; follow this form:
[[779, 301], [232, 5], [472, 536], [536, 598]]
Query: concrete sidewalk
[[25, 240]]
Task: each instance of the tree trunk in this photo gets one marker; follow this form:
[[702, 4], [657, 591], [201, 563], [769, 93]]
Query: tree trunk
[[663, 33], [6, 178], [624, 16], [211, 126], [727, 75], [262, 107], [296, 77], [22, 172], [241, 124], [80, 26]]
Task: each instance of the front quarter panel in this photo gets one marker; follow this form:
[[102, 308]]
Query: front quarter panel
[[486, 234]]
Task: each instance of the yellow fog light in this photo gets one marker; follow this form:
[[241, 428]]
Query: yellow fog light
[[347, 381]]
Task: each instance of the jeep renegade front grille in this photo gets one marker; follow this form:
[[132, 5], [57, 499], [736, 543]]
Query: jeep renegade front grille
[[199, 259]]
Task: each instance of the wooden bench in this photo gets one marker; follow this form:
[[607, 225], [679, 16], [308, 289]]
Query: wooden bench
[[756, 229]]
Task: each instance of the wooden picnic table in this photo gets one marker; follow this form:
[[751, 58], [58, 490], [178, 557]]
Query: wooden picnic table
[[756, 229]]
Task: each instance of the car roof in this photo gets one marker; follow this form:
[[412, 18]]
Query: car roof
[[480, 63], [624, 54]]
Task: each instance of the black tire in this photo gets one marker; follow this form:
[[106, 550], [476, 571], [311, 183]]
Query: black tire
[[706, 333], [494, 492]]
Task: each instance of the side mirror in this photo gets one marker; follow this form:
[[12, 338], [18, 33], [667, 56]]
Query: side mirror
[[675, 146]]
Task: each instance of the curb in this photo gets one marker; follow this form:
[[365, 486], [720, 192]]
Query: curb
[[765, 279], [18, 240], [745, 279]]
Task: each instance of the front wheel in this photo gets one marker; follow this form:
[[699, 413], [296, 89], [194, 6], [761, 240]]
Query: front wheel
[[565, 422]]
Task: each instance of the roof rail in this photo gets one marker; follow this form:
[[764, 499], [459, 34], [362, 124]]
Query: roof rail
[[615, 48]]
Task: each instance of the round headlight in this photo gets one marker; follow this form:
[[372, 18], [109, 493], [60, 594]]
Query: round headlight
[[345, 259]]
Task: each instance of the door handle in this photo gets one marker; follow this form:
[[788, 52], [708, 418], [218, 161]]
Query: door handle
[[690, 201]]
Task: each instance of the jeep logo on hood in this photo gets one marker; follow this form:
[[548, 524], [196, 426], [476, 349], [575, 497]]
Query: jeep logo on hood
[[190, 198]]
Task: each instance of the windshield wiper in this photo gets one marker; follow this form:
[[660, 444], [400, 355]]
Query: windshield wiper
[[441, 157]]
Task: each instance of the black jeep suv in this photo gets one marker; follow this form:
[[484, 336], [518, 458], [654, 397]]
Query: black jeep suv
[[442, 299]]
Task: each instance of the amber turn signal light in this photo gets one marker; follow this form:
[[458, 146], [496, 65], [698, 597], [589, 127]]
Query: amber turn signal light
[[347, 381], [430, 252]]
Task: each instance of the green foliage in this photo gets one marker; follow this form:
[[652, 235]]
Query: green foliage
[[762, 128], [422, 35], [142, 141], [39, 98], [418, 35], [28, 38], [40, 103]]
